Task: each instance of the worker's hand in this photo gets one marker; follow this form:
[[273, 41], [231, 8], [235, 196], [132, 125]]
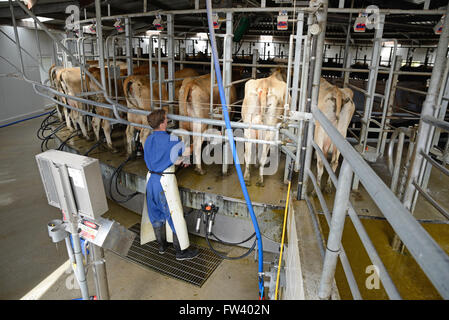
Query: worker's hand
[[185, 165]]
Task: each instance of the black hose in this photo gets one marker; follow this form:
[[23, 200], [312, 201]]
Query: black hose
[[93, 147], [227, 257], [115, 174], [74, 134]]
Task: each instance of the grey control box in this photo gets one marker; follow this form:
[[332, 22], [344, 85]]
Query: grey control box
[[85, 180]]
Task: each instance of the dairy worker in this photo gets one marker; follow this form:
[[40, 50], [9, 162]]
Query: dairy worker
[[163, 206]]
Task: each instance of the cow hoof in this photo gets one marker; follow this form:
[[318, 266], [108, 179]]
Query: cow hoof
[[247, 181], [200, 172], [113, 150], [260, 184], [328, 189], [313, 193]]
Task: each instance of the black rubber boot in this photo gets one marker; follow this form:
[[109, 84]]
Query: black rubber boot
[[185, 254], [160, 238]]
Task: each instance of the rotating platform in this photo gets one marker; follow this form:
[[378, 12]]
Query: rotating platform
[[232, 223]]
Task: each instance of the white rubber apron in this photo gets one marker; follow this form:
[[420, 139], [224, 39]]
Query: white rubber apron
[[171, 191]]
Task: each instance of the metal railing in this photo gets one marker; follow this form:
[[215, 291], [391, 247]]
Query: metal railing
[[432, 259], [427, 253]]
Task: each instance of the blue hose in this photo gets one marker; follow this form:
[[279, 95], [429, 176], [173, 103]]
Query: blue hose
[[232, 144], [11, 123]]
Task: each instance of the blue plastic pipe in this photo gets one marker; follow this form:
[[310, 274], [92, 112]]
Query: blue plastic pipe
[[18, 121], [224, 107]]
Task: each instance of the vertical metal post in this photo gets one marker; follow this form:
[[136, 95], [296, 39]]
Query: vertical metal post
[[297, 63], [99, 29], [386, 100], [171, 59], [348, 59], [159, 68], [397, 162], [255, 58], [392, 93], [424, 137], [371, 89], [336, 230], [347, 56], [70, 211], [315, 73], [129, 46], [99, 270], [227, 79]]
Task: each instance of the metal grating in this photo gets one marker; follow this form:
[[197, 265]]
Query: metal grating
[[195, 271]]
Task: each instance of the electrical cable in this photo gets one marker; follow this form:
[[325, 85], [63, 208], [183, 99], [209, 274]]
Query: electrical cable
[[283, 229], [232, 145]]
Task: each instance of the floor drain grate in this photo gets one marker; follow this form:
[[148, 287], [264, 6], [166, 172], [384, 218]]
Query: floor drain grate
[[195, 271]]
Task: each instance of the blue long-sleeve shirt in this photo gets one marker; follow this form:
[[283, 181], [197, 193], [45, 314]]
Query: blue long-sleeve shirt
[[161, 151]]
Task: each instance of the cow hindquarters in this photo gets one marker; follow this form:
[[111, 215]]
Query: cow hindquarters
[[342, 126]]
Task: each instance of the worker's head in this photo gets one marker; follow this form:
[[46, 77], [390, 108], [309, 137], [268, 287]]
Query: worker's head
[[158, 119]]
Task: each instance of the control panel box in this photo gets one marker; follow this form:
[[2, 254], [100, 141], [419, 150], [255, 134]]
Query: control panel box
[[85, 180]]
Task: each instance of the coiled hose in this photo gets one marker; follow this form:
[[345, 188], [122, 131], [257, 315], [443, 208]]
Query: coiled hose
[[232, 144]]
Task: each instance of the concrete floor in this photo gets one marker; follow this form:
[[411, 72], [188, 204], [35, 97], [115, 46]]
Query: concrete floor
[[28, 256]]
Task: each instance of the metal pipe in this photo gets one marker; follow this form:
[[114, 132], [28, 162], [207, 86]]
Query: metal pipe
[[314, 78], [385, 278], [372, 79], [100, 48], [435, 164], [100, 275], [71, 212], [431, 200], [336, 226], [343, 258], [427, 253], [411, 90], [269, 9], [16, 35], [425, 132], [436, 122]]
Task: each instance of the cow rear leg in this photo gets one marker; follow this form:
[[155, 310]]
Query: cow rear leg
[[96, 126], [106, 125], [263, 157], [59, 112], [334, 165], [68, 120], [248, 134], [130, 147], [197, 142]]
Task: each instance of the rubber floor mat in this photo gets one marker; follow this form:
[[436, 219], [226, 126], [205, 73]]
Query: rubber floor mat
[[195, 271]]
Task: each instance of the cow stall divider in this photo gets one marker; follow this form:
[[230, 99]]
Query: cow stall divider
[[298, 128]]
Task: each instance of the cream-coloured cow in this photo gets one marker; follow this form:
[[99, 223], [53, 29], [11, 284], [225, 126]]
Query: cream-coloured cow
[[137, 94], [70, 81], [263, 104], [194, 100], [98, 123], [338, 107]]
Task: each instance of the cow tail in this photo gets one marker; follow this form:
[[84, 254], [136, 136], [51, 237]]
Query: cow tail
[[183, 100], [128, 95], [263, 99], [338, 101]]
